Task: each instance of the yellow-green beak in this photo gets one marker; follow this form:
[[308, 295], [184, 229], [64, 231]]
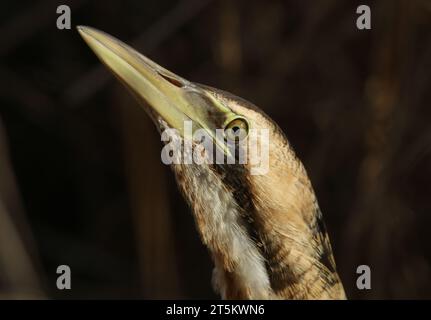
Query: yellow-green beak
[[171, 97]]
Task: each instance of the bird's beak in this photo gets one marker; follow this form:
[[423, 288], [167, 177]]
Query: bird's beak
[[171, 97]]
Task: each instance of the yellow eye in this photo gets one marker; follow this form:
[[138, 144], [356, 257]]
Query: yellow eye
[[237, 129]]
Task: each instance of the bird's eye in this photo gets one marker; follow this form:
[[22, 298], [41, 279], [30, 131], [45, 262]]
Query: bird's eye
[[237, 129]]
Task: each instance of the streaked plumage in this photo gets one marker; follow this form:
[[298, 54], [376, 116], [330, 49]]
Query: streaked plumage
[[265, 232]]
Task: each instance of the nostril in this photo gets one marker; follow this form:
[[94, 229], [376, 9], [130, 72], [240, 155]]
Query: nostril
[[175, 82]]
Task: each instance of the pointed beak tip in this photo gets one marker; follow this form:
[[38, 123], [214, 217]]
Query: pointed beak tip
[[81, 29], [86, 31], [83, 32]]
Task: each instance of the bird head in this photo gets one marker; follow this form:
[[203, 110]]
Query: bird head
[[196, 113], [252, 201]]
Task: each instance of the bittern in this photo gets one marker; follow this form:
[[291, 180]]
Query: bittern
[[264, 232]]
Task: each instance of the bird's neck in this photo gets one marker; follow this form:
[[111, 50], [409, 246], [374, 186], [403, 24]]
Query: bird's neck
[[279, 265], [262, 249]]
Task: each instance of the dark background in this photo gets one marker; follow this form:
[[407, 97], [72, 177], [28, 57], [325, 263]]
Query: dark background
[[81, 182]]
